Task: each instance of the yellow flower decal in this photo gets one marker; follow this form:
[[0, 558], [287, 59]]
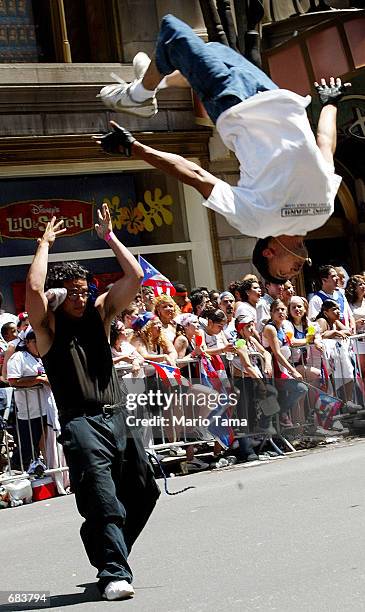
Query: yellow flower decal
[[115, 211], [156, 210], [153, 212], [133, 219]]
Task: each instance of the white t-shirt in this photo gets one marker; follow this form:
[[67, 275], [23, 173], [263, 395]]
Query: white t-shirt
[[23, 364], [263, 311], [245, 308], [229, 331], [359, 313], [285, 186]]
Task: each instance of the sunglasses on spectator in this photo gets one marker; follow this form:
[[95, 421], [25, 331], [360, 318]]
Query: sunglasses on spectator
[[75, 295]]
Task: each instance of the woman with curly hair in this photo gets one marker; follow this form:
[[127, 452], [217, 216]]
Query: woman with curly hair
[[355, 293], [250, 293], [166, 310], [150, 340]]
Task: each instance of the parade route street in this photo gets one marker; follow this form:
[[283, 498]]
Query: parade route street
[[288, 535]]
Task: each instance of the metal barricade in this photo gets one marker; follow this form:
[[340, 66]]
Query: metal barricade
[[303, 416], [270, 432], [33, 440], [340, 378], [171, 415]]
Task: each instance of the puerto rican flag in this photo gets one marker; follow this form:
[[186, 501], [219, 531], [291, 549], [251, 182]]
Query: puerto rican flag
[[153, 278], [170, 375], [210, 377], [326, 406]]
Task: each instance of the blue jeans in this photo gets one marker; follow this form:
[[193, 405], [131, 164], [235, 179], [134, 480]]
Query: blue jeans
[[290, 391], [220, 77]]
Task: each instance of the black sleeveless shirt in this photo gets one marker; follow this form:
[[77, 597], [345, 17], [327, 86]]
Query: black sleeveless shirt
[[79, 365]]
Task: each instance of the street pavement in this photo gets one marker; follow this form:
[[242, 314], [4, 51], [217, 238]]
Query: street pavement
[[288, 534]]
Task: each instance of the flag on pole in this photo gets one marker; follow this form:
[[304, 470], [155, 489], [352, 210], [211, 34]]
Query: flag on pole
[[154, 278]]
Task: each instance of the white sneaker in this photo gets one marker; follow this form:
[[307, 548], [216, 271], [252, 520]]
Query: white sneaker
[[352, 407], [337, 426], [118, 589], [141, 61], [118, 98]]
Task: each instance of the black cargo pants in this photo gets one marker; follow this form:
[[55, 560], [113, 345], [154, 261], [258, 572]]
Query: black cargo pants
[[114, 487]]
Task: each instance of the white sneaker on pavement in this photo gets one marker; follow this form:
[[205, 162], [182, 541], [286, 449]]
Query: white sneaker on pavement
[[118, 589], [337, 426], [118, 98]]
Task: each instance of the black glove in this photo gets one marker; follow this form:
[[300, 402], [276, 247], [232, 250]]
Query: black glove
[[118, 137], [332, 93]]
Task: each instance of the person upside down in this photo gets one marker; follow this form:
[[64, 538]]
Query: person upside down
[[287, 183]]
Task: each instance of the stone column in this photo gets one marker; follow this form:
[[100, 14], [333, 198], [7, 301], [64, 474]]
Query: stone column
[[187, 10], [138, 23]]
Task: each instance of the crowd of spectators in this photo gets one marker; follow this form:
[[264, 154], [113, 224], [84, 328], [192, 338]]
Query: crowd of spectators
[[274, 350]]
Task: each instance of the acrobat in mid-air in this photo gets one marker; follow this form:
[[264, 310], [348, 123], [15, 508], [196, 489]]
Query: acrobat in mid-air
[[287, 183]]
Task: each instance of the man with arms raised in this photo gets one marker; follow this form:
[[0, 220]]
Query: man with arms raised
[[110, 475]]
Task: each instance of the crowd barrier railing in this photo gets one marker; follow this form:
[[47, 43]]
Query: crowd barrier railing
[[344, 384], [273, 429], [159, 436], [335, 373], [170, 407], [26, 440]]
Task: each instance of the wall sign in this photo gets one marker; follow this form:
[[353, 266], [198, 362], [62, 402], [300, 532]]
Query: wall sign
[[26, 204], [27, 220]]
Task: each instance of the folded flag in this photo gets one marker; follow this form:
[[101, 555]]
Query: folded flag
[[153, 278], [214, 379], [326, 407], [170, 375]]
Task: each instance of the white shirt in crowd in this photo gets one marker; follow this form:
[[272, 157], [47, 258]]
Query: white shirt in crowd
[[286, 186], [215, 341], [246, 309], [229, 331], [263, 311], [315, 305], [359, 313], [23, 364]]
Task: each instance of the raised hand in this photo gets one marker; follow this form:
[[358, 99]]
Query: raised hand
[[332, 93], [104, 226], [119, 138], [53, 229]]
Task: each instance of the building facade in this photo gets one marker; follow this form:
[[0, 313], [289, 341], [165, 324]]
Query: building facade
[[54, 58], [50, 165]]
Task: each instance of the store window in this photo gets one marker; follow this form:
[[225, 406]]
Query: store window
[[148, 215], [58, 31], [146, 208]]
